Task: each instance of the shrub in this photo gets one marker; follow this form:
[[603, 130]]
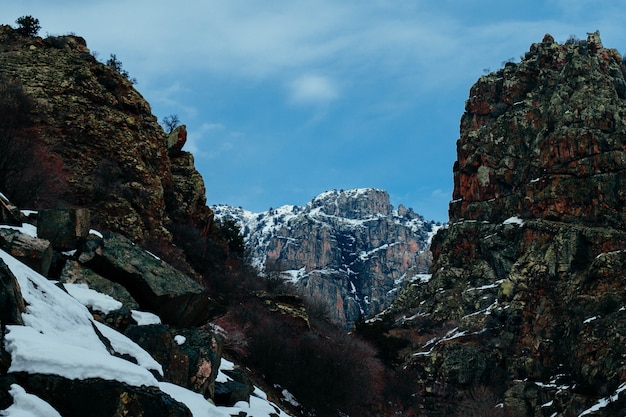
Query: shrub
[[328, 371], [27, 26], [171, 122], [116, 64]]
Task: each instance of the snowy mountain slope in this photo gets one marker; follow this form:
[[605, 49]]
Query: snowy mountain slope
[[60, 337], [350, 248]]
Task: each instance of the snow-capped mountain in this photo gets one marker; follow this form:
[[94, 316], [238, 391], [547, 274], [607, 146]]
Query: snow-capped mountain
[[350, 248]]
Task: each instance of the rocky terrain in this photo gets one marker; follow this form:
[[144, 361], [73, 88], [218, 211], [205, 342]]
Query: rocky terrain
[[91, 322], [522, 312], [146, 182], [525, 310], [350, 249]]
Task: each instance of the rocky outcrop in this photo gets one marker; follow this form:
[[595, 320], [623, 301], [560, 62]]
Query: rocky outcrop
[[349, 249], [153, 283], [535, 131], [33, 251], [114, 158], [525, 307], [63, 228], [190, 357]]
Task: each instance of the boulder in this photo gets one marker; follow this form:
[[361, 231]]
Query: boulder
[[63, 228], [237, 388], [9, 214], [153, 283], [74, 273], [100, 398], [190, 357], [11, 302], [176, 140], [35, 252]]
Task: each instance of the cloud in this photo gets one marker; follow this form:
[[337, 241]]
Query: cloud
[[313, 89], [211, 140]]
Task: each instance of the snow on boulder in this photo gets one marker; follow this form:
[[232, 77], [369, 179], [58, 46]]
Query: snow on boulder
[[58, 335], [153, 283]]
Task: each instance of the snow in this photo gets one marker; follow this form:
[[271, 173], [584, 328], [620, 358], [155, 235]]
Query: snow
[[27, 405], [91, 298], [122, 344], [180, 340], [196, 403], [33, 352], [604, 401], [144, 318], [514, 220], [27, 229], [58, 337]]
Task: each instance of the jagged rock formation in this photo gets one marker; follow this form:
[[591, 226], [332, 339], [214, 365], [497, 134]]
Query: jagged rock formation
[[112, 158], [349, 248], [55, 349], [145, 182], [527, 292]]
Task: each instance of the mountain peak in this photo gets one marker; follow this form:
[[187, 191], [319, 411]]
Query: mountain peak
[[349, 248]]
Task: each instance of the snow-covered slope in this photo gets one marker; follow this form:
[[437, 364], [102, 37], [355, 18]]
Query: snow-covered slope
[[351, 248], [60, 337]]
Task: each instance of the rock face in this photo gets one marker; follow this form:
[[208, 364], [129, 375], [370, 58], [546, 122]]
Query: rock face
[[153, 283], [526, 305], [115, 157], [350, 248]]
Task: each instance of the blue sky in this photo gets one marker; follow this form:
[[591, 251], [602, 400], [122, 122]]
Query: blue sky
[[285, 99]]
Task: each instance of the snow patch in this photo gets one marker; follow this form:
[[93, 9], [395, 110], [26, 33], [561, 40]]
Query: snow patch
[[144, 318], [91, 298], [514, 220], [27, 405]]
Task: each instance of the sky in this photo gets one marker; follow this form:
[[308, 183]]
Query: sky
[[286, 99]]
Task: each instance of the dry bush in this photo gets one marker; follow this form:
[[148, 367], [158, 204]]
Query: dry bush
[[327, 370]]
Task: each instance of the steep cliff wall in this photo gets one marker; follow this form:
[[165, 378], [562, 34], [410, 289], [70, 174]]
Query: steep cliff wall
[[349, 248], [115, 157], [526, 305]]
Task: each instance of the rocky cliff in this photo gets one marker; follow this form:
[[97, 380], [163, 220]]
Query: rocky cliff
[[92, 323], [146, 182], [524, 314], [350, 249]]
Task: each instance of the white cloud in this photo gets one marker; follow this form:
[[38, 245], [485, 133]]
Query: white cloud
[[313, 89]]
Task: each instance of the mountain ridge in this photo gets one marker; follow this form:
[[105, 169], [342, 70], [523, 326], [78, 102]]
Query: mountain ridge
[[352, 243]]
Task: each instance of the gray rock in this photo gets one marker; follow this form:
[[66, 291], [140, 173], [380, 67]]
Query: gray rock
[[153, 283], [192, 362], [35, 252], [63, 228]]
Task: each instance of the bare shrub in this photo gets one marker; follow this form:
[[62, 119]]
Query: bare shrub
[[481, 401]]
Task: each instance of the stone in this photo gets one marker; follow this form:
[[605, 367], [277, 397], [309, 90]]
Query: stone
[[192, 361], [64, 228], [100, 398], [527, 291], [9, 214], [35, 252], [11, 302], [176, 140], [237, 388], [153, 283], [74, 273]]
